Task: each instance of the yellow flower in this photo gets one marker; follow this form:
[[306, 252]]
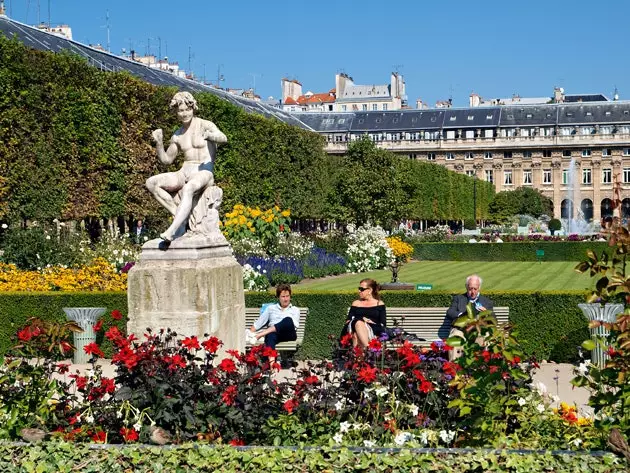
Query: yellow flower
[[286, 213]]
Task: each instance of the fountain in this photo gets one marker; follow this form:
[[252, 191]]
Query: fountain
[[575, 223]]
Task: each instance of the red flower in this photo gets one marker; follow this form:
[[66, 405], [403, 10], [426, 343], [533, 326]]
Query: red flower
[[212, 344], [419, 376], [176, 361], [237, 442], [234, 353], [251, 359], [290, 405], [116, 314], [191, 343], [346, 340], [276, 366], [98, 326], [108, 385], [227, 365], [81, 381], [229, 395], [93, 349], [281, 228], [486, 355], [25, 334], [99, 437], [269, 352], [65, 346], [311, 379], [63, 368], [126, 356], [113, 334], [493, 369], [426, 387], [129, 435], [450, 368], [375, 345], [367, 374]]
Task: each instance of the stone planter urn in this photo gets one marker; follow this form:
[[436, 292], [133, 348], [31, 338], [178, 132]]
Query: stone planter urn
[[85, 317], [603, 313]]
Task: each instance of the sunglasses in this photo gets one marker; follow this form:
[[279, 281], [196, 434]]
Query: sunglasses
[[361, 289]]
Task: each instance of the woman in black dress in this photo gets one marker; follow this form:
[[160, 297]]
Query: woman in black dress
[[367, 317]]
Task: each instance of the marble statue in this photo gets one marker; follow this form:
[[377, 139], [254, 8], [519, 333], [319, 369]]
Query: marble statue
[[189, 194]]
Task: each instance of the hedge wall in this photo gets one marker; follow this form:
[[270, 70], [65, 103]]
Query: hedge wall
[[52, 457], [550, 325], [512, 251]]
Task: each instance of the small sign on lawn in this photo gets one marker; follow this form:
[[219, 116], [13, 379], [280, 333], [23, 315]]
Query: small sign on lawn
[[424, 287]]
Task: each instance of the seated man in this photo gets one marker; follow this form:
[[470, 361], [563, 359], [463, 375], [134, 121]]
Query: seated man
[[281, 320], [458, 308]]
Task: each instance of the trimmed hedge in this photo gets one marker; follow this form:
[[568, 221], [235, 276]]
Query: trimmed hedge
[[509, 251], [550, 325], [51, 457]]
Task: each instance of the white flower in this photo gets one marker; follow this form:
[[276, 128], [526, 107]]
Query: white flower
[[540, 408], [119, 415], [540, 388], [369, 443], [555, 398], [339, 405], [447, 436], [413, 409], [403, 437], [424, 437], [521, 401], [380, 392], [137, 426], [89, 419], [4, 225], [577, 442], [344, 427], [338, 437], [582, 369], [47, 237]]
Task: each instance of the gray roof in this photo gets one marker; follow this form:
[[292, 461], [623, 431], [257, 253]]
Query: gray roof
[[42, 40], [327, 122], [364, 92], [534, 115], [477, 117]]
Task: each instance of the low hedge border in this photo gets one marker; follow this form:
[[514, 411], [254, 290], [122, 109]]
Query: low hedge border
[[550, 325], [51, 457], [509, 251]]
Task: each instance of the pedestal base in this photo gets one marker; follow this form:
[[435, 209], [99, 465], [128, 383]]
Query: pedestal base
[[191, 289], [398, 286]]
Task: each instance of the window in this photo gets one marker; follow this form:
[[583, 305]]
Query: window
[[469, 155], [626, 151], [626, 175], [607, 152], [586, 176], [565, 176], [487, 155], [413, 156], [344, 108], [470, 172], [489, 176], [527, 154], [529, 115], [395, 120], [453, 118], [566, 153], [546, 176], [546, 153], [374, 106], [586, 153], [606, 176], [488, 117], [608, 113], [450, 156], [507, 177], [364, 107], [471, 118], [507, 155], [430, 156], [527, 177], [384, 106]]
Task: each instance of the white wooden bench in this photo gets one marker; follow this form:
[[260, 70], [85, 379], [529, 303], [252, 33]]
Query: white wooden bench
[[430, 323], [252, 313]]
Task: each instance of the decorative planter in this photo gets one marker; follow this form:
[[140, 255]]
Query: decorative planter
[[85, 317], [604, 313]]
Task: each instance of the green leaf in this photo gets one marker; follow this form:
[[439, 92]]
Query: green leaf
[[589, 344], [455, 341]]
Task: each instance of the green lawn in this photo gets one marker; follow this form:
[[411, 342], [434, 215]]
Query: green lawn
[[451, 275]]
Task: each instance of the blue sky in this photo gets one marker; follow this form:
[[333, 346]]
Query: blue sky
[[443, 49]]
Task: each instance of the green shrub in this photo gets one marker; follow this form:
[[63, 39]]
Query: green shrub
[[470, 224], [35, 247], [554, 225], [548, 323], [507, 251]]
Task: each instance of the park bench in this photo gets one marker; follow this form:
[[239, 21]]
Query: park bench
[[430, 323], [252, 313]]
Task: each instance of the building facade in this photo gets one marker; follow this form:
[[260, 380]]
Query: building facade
[[574, 153]]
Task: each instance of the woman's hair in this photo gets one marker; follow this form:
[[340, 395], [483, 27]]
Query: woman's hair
[[185, 98], [280, 288], [372, 284]]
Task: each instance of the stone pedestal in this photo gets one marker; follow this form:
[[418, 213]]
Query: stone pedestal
[[193, 285]]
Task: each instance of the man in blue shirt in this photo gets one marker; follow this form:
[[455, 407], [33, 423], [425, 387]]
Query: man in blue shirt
[[458, 308], [279, 321]]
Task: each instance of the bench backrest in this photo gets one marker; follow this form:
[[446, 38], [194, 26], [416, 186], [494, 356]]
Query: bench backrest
[[431, 323], [252, 313]]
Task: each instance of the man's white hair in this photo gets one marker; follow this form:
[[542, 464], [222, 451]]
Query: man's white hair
[[474, 276]]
